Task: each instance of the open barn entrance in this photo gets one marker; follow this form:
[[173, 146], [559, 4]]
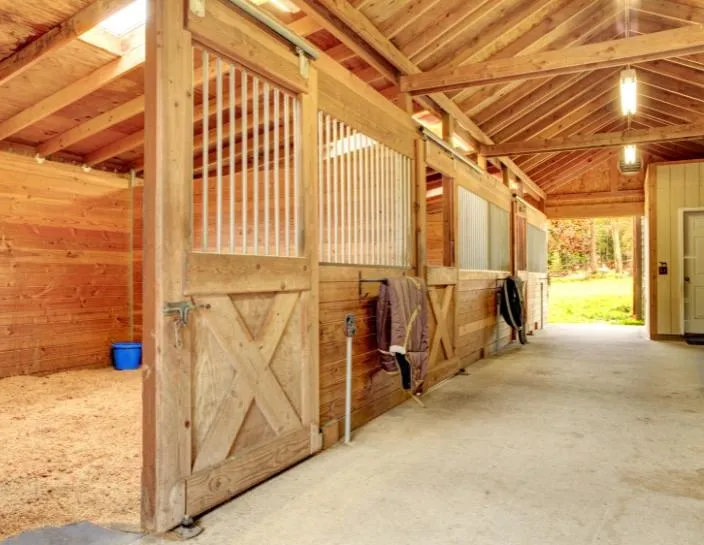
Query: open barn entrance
[[595, 270]]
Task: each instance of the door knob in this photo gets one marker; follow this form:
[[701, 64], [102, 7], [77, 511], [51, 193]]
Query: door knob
[[686, 278]]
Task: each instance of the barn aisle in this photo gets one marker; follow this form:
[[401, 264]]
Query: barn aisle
[[591, 434]]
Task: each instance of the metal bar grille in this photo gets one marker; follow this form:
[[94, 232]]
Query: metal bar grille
[[246, 180], [365, 198]]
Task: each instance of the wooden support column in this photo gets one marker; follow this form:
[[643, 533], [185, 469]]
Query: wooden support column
[[421, 210], [405, 102], [448, 128], [169, 164], [481, 161], [514, 238], [448, 217], [637, 268], [310, 410]]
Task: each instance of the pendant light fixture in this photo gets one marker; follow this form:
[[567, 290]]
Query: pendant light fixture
[[630, 154], [629, 91]]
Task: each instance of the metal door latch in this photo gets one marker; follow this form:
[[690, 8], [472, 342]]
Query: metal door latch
[[183, 309]]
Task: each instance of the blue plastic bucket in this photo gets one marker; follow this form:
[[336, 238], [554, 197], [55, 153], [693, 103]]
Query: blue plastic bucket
[[126, 356]]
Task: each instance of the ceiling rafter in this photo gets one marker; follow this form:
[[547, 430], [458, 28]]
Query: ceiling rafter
[[72, 92], [692, 131], [352, 18], [598, 26], [614, 53], [59, 36]]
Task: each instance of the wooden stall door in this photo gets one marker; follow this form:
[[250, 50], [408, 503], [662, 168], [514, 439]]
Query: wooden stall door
[[231, 393], [251, 383]]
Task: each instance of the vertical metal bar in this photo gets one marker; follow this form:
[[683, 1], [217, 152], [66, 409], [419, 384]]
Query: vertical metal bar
[[277, 187], [377, 205], [410, 210], [336, 189], [255, 151], [218, 148], [287, 174], [298, 241], [245, 157], [320, 150], [348, 140], [267, 168], [396, 207], [355, 194], [205, 158], [328, 184], [342, 155], [232, 158], [384, 205], [367, 203]]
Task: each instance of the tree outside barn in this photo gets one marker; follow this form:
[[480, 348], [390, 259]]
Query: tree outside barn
[[590, 265]]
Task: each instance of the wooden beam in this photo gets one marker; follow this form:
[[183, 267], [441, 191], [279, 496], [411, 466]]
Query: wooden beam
[[58, 36], [72, 92], [595, 210], [660, 45], [670, 133], [331, 21], [92, 126], [352, 19]]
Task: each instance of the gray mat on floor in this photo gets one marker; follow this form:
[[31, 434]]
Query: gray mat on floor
[[81, 533]]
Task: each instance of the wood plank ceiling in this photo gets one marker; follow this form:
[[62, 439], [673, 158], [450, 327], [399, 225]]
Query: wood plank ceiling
[[100, 120]]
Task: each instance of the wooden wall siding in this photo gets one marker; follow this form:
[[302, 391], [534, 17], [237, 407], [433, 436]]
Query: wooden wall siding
[[443, 361], [476, 316], [600, 191], [137, 260], [537, 296], [63, 264], [671, 187], [373, 391], [435, 230]]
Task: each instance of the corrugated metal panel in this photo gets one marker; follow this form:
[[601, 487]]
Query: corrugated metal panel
[[473, 220], [537, 250], [499, 259]]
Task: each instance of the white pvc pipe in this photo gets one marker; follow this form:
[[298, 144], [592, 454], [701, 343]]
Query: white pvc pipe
[[348, 392]]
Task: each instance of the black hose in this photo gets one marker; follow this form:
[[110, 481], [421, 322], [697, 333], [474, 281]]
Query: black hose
[[512, 306]]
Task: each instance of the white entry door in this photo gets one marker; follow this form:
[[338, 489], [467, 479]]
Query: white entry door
[[694, 272]]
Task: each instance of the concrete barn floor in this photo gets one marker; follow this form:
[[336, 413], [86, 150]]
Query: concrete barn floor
[[589, 435]]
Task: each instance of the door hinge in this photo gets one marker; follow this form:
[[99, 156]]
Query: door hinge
[[197, 7], [183, 309]]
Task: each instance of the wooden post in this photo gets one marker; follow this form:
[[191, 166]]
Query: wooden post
[[420, 209], [448, 215], [405, 102], [514, 238], [310, 413], [637, 268], [448, 128], [506, 175], [481, 161], [169, 164]]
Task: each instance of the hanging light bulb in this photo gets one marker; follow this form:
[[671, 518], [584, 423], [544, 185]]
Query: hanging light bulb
[[630, 154], [629, 91]]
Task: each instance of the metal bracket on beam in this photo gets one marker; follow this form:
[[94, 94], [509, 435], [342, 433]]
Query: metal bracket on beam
[[197, 7], [303, 63]]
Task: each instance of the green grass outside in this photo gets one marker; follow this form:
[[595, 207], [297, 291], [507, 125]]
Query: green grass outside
[[583, 300]]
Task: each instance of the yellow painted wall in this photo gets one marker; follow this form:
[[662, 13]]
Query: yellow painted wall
[[674, 187]]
